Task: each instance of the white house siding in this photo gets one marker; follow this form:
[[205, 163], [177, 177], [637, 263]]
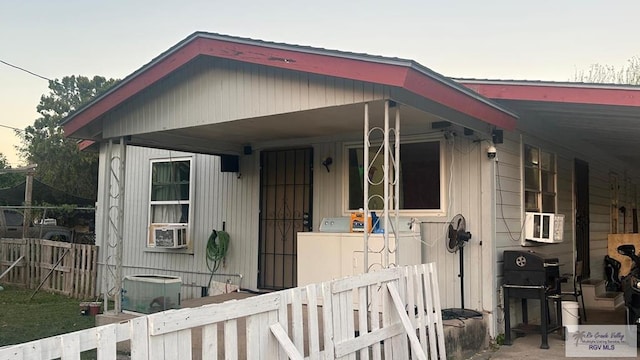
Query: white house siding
[[213, 90], [509, 201], [218, 197], [465, 198], [462, 184]]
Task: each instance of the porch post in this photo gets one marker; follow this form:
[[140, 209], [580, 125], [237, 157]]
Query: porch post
[[105, 206], [386, 185], [112, 208], [120, 227], [396, 185], [365, 188], [488, 265]]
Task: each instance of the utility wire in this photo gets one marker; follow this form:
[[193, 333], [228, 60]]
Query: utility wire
[[11, 127], [25, 70]]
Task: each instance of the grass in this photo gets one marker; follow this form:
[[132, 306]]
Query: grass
[[45, 315]]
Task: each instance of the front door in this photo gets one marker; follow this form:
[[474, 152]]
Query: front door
[[582, 214], [286, 190]]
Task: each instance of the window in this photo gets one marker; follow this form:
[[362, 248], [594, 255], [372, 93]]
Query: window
[[420, 177], [170, 193], [13, 218], [539, 180]]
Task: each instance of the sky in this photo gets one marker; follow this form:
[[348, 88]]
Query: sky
[[497, 39]]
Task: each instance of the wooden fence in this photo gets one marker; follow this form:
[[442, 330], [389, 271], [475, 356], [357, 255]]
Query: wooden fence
[[388, 314], [59, 267]]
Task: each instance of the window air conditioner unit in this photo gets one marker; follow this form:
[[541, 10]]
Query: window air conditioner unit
[[169, 236], [543, 227]]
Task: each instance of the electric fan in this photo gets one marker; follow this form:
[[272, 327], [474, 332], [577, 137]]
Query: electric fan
[[457, 238]]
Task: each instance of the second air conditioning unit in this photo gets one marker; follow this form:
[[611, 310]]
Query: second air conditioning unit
[[543, 227]]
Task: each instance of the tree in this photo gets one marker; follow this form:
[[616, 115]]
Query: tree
[[60, 163], [607, 74], [8, 179]]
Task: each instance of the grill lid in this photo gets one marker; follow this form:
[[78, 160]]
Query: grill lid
[[527, 261]]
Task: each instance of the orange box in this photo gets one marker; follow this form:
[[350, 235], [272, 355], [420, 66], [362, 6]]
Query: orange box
[[357, 222]]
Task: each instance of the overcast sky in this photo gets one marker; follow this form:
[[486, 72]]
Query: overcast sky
[[497, 39]]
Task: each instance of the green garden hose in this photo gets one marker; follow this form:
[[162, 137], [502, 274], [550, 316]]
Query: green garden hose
[[217, 247]]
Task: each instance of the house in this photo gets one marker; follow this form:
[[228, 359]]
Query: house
[[265, 140]]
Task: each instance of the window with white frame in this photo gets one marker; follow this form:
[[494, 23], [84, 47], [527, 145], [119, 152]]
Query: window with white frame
[[420, 176], [539, 180], [169, 202]]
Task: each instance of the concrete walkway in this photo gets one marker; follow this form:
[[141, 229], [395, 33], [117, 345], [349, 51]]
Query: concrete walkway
[[528, 346]]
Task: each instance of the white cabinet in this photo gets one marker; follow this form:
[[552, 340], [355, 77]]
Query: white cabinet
[[328, 256]]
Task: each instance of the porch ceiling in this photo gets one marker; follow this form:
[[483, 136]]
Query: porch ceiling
[[602, 118], [611, 130], [340, 122]]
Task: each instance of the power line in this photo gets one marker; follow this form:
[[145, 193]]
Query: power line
[[11, 127], [25, 70]]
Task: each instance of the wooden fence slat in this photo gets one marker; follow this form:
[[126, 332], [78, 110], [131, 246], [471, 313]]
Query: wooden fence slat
[[437, 311], [139, 330], [209, 342], [271, 346], [253, 337], [106, 342], [406, 323], [347, 284], [70, 346], [283, 319], [351, 346], [297, 328], [11, 266], [312, 322], [231, 339], [375, 318], [156, 347], [170, 345], [174, 320], [421, 323], [363, 314], [327, 320], [285, 342], [183, 345], [386, 322]]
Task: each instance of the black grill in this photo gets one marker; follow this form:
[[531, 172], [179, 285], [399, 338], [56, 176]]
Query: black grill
[[528, 275], [526, 268]]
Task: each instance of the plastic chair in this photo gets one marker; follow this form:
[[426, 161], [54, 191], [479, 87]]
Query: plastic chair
[[577, 288]]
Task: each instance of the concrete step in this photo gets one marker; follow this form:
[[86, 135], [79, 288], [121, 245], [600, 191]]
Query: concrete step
[[596, 296], [608, 301], [593, 286]]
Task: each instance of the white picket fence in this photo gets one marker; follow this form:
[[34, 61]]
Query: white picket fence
[[388, 314]]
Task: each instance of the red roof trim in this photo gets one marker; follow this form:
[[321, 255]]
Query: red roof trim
[[344, 67], [563, 94], [443, 94], [85, 144]]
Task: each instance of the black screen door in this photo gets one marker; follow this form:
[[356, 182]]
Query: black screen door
[[286, 190]]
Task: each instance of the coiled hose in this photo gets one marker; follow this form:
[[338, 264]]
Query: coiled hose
[[217, 247]]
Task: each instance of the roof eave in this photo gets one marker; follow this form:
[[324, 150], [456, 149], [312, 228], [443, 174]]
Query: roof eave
[[376, 69]]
